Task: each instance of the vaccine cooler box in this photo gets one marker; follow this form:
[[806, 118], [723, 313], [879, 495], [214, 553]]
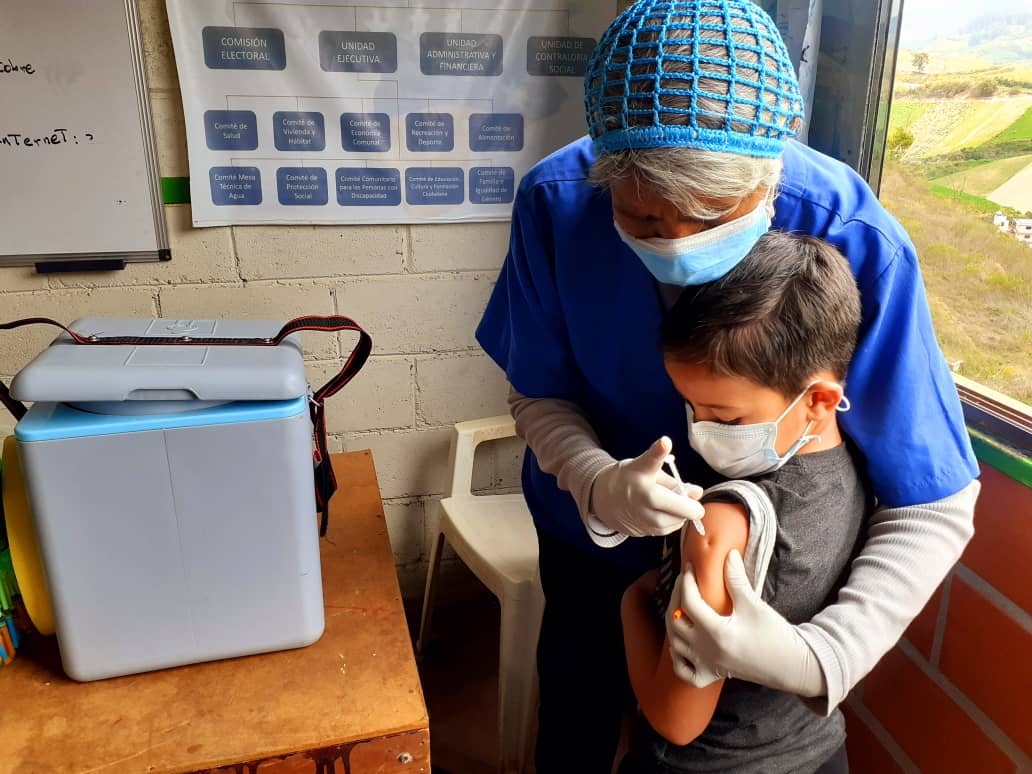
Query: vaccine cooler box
[[172, 494]]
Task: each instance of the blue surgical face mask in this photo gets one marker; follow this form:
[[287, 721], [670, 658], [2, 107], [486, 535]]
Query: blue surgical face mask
[[702, 257], [743, 451]]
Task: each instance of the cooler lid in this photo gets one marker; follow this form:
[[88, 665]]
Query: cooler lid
[[69, 372]]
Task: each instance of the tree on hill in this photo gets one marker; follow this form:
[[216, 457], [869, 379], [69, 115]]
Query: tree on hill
[[919, 61], [899, 142]]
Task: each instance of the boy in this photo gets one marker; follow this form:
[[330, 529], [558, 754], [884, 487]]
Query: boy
[[760, 357]]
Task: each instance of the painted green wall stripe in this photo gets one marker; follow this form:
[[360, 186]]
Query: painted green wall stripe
[[1003, 458], [175, 190]]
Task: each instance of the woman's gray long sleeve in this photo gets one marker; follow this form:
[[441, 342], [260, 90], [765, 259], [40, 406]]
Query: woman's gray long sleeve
[[566, 446], [906, 556], [907, 553]]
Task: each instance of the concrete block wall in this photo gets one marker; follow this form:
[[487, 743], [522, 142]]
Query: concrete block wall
[[419, 291], [956, 693]]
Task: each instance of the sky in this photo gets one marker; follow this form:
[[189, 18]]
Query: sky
[[925, 20]]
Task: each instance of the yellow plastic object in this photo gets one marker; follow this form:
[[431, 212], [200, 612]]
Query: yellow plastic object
[[28, 566]]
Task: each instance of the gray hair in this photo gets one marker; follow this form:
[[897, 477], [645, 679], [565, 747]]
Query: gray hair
[[686, 176], [690, 179]]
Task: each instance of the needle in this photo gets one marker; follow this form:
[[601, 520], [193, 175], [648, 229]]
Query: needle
[[697, 523]]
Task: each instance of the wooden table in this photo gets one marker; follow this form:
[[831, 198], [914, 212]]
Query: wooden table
[[349, 704]]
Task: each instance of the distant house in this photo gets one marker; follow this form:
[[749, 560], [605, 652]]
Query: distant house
[[1023, 230], [1001, 221]]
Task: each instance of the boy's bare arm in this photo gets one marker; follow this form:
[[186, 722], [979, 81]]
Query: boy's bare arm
[[678, 711]]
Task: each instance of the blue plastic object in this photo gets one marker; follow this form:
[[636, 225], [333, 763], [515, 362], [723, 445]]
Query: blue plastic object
[[658, 59], [52, 421]]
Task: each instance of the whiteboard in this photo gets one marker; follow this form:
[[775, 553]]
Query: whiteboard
[[78, 163]]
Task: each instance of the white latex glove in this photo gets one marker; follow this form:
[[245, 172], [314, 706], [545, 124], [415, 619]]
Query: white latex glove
[[636, 497], [754, 643]]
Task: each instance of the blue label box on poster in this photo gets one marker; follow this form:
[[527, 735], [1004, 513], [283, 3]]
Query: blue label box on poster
[[460, 53], [235, 185], [230, 129], [558, 56], [368, 187], [496, 132], [492, 185], [298, 131], [349, 51], [429, 132], [434, 185], [244, 48], [365, 132], [301, 185]]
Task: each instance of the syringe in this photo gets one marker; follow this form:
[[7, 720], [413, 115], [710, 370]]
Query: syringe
[[697, 523]]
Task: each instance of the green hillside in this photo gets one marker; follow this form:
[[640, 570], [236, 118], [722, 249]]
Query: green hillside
[[906, 113], [985, 177], [944, 126], [994, 174], [969, 112], [1019, 130], [979, 283]]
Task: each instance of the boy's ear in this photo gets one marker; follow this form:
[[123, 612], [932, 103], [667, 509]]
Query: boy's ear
[[825, 396]]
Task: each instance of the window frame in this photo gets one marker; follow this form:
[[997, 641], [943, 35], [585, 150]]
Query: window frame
[[858, 84]]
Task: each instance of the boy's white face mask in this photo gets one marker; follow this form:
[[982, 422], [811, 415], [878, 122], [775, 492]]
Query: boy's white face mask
[[744, 451]]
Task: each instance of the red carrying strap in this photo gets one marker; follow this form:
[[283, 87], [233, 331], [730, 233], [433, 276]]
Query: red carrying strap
[[325, 481]]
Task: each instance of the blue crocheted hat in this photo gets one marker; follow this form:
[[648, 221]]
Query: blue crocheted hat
[[706, 74]]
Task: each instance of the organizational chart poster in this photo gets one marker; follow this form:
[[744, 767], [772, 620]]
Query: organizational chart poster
[[376, 111]]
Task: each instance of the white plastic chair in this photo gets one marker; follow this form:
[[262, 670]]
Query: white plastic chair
[[494, 536]]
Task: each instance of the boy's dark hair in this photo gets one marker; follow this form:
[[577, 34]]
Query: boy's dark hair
[[791, 308]]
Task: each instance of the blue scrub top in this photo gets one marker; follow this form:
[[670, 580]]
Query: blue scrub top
[[576, 315]]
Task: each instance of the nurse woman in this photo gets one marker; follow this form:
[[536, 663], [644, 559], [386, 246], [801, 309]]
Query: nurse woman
[[692, 107]]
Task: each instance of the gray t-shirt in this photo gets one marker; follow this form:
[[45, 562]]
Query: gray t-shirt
[[821, 505]]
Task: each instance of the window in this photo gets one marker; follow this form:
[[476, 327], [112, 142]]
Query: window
[[957, 173]]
